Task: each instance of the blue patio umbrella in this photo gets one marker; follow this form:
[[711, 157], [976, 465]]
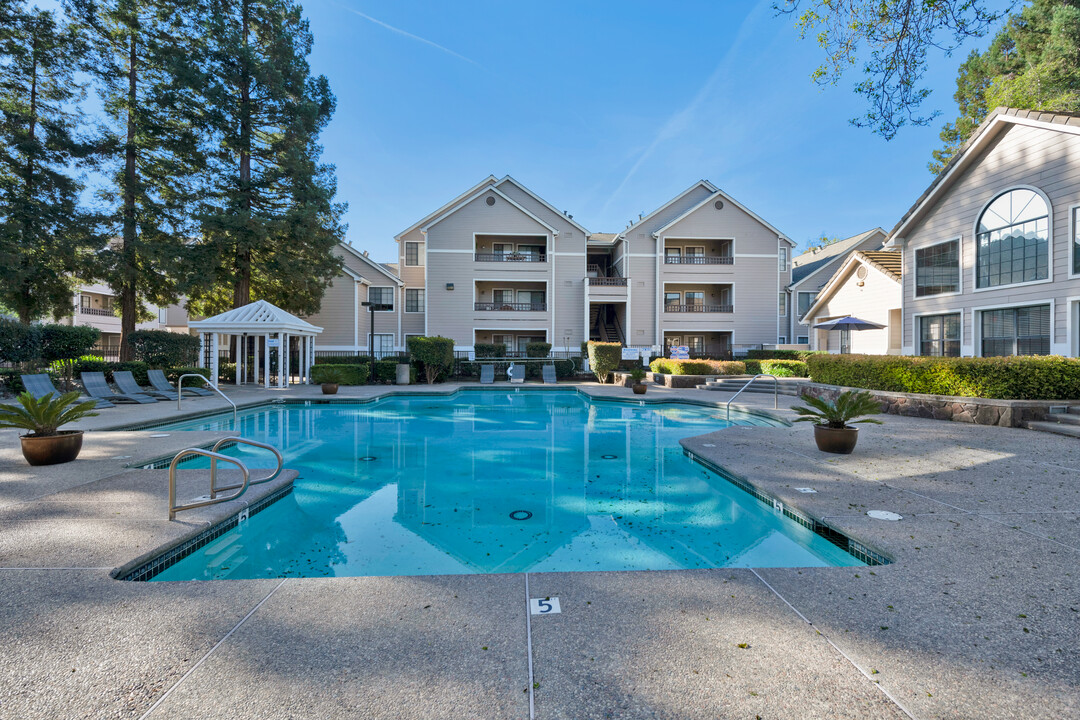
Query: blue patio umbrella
[[848, 323]]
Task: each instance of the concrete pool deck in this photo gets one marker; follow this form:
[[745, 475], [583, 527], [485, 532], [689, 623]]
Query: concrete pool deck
[[977, 617]]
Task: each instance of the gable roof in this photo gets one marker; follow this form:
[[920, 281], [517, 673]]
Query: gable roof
[[492, 189], [700, 183], [992, 127], [602, 238], [543, 202], [886, 262], [810, 262], [721, 194], [255, 317], [364, 258], [489, 180]]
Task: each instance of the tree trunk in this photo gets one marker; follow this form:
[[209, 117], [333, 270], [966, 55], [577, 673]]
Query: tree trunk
[[128, 299], [242, 290], [25, 316]]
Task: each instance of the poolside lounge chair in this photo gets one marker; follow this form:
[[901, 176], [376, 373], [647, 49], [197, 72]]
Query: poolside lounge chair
[[549, 375], [41, 385], [124, 380], [487, 374], [161, 383], [97, 388], [516, 373]]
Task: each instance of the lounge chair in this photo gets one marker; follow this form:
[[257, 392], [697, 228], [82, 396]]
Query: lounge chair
[[487, 374], [549, 375], [97, 388], [41, 385], [516, 373], [124, 380], [161, 383]]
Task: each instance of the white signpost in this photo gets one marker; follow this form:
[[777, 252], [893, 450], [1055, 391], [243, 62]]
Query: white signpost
[[630, 353], [680, 352]]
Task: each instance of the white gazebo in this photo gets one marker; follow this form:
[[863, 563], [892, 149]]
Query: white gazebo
[[262, 326]]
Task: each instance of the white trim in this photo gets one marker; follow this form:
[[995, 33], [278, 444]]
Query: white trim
[[489, 180], [1049, 240], [450, 250], [405, 301], [359, 255], [356, 311], [774, 256], [976, 321], [787, 301], [542, 201], [479, 195], [1071, 243], [700, 183], [916, 342], [404, 253], [959, 240], [1072, 320], [836, 280], [720, 193], [567, 254], [797, 342]]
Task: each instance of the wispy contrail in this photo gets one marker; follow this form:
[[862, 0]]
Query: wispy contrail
[[409, 35]]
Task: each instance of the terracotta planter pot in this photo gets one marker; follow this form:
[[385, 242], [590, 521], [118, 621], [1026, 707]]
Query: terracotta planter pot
[[640, 388], [329, 388], [52, 449], [836, 440]]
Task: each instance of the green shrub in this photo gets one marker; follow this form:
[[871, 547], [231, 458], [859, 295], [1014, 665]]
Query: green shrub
[[344, 374], [162, 349], [173, 374], [538, 349], [90, 363], [668, 366], [1006, 378], [226, 372], [66, 342], [434, 357], [19, 343], [488, 350], [11, 380], [780, 368], [604, 357], [782, 354]]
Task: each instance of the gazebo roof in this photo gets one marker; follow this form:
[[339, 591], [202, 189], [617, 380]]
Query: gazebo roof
[[254, 319]]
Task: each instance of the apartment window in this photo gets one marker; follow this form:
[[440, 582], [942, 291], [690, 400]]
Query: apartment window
[[535, 298], [524, 340], [532, 251], [782, 340], [85, 301], [782, 304], [673, 252], [939, 335], [803, 340], [414, 254], [384, 344], [937, 269], [1013, 240], [506, 341], [163, 316], [502, 248], [502, 296], [805, 302], [695, 252], [1076, 240], [694, 298], [1016, 331], [672, 298], [783, 259], [696, 344], [414, 300], [382, 296]]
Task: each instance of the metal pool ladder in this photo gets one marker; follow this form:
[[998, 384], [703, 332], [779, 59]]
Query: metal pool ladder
[[212, 386], [214, 456], [775, 393]]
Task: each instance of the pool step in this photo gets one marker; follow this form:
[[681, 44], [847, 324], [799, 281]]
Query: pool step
[[786, 386], [1071, 427]]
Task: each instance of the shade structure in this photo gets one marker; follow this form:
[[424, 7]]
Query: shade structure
[[848, 323], [269, 331]]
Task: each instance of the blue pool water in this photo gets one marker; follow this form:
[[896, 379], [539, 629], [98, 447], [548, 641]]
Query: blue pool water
[[495, 481]]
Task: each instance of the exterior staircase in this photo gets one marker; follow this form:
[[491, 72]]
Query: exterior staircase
[[1065, 421], [785, 386], [594, 322]]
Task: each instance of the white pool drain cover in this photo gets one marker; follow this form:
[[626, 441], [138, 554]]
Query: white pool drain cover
[[884, 515]]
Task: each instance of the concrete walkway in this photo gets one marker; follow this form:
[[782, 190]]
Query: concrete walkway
[[977, 617]]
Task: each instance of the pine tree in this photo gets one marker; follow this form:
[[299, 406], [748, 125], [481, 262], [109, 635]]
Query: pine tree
[[46, 237], [270, 222], [147, 67], [1032, 64]]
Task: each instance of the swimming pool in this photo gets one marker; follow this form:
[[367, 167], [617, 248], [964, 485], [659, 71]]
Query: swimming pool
[[495, 481]]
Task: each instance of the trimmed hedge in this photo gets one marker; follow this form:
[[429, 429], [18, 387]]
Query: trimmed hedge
[[19, 343], [173, 374], [348, 374], [697, 367], [779, 368], [50, 343], [538, 349], [604, 357], [161, 348], [434, 357], [93, 364], [1047, 377], [782, 354], [488, 350]]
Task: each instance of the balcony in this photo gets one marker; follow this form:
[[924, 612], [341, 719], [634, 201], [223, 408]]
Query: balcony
[[607, 281], [514, 257], [699, 260], [104, 312], [699, 308], [511, 307]]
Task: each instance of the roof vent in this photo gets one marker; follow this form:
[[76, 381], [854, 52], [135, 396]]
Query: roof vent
[[719, 204], [490, 200], [861, 272]]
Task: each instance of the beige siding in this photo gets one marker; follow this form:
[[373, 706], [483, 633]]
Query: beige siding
[[337, 314], [878, 300], [1040, 158]]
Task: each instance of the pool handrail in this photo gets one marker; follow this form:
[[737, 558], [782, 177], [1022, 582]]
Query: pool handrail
[[214, 457], [775, 394], [214, 489], [212, 386]]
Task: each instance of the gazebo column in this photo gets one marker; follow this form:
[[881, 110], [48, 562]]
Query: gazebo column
[[311, 356], [302, 346], [240, 358], [255, 361], [266, 363], [283, 362], [211, 339]]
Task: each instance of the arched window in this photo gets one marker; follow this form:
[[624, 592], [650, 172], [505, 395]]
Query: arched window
[[1013, 240]]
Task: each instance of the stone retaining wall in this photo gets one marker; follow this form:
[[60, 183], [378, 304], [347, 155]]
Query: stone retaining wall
[[981, 411]]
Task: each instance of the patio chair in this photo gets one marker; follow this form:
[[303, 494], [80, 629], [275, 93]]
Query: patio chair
[[516, 373], [487, 374], [549, 375], [97, 388], [124, 380], [161, 383], [41, 385]]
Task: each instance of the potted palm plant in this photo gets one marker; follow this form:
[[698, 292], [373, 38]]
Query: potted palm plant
[[331, 378], [832, 431], [46, 444], [638, 375]]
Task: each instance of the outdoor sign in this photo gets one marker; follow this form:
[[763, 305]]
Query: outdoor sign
[[680, 352], [273, 342], [630, 353]]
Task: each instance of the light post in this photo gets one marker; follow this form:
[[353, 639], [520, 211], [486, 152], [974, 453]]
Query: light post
[[371, 336]]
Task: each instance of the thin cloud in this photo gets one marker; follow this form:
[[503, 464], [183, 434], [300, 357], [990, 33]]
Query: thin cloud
[[409, 35]]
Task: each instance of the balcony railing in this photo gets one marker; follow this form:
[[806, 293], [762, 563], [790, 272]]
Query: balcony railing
[[107, 312], [698, 308], [607, 281], [699, 260], [511, 257], [514, 307]]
